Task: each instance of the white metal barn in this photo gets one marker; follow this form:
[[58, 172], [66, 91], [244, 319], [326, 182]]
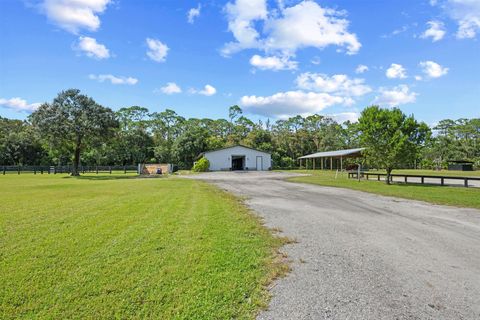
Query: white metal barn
[[238, 158]]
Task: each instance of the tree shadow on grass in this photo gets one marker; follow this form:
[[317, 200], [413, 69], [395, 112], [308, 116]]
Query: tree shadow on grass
[[114, 177], [102, 177]]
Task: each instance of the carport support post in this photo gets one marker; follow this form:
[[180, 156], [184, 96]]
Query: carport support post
[[313, 159], [341, 163], [331, 163], [321, 163]]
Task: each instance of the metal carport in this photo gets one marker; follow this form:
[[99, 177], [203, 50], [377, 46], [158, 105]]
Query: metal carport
[[337, 155]]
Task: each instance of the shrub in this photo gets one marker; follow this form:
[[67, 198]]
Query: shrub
[[201, 165]]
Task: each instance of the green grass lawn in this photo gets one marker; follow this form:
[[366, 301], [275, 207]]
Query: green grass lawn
[[99, 247], [455, 196]]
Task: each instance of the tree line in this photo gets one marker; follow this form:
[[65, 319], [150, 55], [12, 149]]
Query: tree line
[[74, 129]]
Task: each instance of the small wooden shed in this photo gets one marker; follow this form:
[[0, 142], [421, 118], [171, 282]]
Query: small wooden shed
[[460, 165], [155, 168]]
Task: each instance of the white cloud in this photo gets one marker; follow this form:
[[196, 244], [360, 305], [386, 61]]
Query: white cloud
[[395, 96], [396, 71], [432, 69], [193, 13], [466, 13], [92, 48], [74, 15], [273, 63], [157, 51], [287, 29], [338, 84], [208, 90], [241, 16], [418, 78], [468, 27], [396, 32], [361, 68], [344, 116], [285, 104], [171, 88], [19, 105], [309, 25], [316, 92], [316, 61], [436, 31], [113, 79]]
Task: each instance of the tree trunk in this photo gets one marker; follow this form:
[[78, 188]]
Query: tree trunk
[[389, 172], [76, 161]]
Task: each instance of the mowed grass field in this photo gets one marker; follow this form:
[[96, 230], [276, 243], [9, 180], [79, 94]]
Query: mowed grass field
[[454, 196], [104, 247]]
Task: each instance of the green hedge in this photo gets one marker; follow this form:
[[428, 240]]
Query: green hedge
[[201, 165]]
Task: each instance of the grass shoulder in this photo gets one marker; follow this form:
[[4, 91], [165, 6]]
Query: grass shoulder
[[454, 196]]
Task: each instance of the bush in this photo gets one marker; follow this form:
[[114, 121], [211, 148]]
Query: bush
[[201, 165]]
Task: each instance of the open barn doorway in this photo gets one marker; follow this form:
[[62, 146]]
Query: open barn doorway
[[238, 162]]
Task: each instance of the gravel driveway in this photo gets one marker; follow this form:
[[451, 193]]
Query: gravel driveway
[[363, 256]]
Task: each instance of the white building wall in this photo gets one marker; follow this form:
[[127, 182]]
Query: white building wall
[[222, 159]]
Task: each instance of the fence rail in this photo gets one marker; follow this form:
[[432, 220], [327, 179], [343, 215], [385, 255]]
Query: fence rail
[[419, 178], [66, 169]]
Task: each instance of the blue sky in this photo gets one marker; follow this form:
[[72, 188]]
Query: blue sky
[[273, 58]]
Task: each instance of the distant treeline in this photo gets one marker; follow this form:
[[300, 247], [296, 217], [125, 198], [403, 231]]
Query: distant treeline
[[135, 135]]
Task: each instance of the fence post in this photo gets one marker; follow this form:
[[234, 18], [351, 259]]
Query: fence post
[[423, 180], [41, 170], [3, 170], [18, 168], [442, 181], [465, 183], [34, 170], [124, 169], [406, 179], [110, 169], [96, 169]]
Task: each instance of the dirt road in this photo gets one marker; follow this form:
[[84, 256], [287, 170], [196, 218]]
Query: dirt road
[[363, 256]]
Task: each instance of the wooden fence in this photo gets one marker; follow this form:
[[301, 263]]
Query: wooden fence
[[419, 178], [66, 169]]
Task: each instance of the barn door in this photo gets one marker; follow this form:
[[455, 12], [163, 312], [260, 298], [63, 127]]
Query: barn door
[[259, 163]]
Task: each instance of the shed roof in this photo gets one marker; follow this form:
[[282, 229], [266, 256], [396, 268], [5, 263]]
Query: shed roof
[[237, 145], [336, 153], [460, 161]]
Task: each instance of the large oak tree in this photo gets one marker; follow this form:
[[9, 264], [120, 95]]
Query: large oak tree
[[73, 121]]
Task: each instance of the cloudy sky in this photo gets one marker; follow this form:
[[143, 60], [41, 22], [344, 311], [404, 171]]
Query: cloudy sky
[[273, 58]]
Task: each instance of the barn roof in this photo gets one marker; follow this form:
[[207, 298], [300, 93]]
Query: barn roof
[[336, 153], [230, 147]]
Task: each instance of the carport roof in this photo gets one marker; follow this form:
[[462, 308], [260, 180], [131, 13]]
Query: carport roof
[[336, 153]]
